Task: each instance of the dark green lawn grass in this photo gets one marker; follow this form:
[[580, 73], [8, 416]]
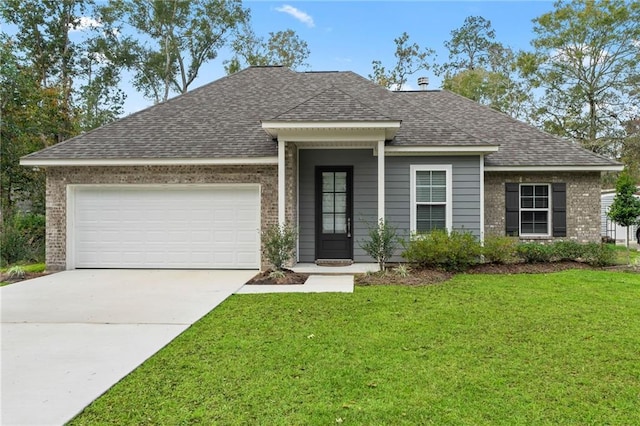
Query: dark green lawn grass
[[524, 349]]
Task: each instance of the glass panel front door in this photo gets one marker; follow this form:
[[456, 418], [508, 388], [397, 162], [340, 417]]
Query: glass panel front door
[[333, 211]]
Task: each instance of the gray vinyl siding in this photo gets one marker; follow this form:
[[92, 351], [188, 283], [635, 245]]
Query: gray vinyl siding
[[365, 195], [465, 191]]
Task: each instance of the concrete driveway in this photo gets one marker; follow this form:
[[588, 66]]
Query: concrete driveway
[[68, 337]]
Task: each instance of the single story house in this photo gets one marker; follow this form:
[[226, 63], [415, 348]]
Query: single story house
[[191, 182], [609, 228]]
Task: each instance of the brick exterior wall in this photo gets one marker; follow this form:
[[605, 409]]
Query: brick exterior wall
[[59, 177], [583, 201]]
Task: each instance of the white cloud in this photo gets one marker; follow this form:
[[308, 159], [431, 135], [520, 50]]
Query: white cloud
[[301, 16], [84, 23]]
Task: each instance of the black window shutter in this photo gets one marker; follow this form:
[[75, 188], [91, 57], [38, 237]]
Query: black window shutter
[[559, 201], [512, 214]]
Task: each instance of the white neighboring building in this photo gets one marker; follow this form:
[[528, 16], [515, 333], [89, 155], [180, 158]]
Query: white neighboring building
[[612, 229]]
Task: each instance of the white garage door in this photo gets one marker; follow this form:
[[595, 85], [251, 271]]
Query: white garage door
[[135, 226]]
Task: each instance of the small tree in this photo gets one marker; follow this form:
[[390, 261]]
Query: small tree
[[279, 244], [625, 209], [382, 243]]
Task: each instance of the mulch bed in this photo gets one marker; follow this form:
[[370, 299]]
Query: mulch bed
[[290, 277], [434, 276], [416, 277]]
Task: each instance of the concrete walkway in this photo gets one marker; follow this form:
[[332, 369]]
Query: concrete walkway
[[68, 337]]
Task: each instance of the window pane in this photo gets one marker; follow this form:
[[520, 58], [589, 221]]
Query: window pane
[[430, 217], [534, 222], [438, 195], [438, 213], [439, 178], [423, 194], [341, 182], [542, 203], [327, 223], [341, 203], [526, 202], [526, 228], [423, 178], [327, 182], [327, 203], [542, 190], [341, 223], [526, 190]]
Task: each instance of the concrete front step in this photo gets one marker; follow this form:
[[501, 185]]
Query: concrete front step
[[356, 268]]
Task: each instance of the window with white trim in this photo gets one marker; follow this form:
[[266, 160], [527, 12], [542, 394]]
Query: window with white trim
[[431, 189], [535, 212]]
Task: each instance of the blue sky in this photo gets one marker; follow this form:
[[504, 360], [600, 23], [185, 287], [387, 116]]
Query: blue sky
[[348, 35]]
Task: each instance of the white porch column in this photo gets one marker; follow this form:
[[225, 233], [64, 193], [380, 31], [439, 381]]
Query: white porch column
[[281, 182], [381, 198]]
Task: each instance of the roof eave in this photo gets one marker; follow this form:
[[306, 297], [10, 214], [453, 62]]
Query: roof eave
[[69, 162], [564, 168]]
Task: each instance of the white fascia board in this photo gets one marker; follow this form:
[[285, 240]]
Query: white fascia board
[[611, 168], [382, 124], [440, 150], [147, 161], [275, 128]]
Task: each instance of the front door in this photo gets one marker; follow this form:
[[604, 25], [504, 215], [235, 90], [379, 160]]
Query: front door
[[334, 206]]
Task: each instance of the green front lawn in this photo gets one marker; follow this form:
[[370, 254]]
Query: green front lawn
[[558, 348]]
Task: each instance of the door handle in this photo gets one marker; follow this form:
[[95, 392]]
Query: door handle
[[348, 227]]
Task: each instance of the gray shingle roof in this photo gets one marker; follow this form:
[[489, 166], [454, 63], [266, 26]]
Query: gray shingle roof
[[332, 104], [520, 143], [223, 120]]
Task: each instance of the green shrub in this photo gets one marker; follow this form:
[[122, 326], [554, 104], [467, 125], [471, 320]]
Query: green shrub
[[382, 243], [16, 272], [499, 249], [279, 244], [453, 252], [596, 254], [535, 252], [402, 270], [567, 250], [22, 238]]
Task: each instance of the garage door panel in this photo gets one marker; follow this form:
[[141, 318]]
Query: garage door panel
[[166, 227]]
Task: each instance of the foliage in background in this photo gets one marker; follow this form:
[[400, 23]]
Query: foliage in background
[[484, 70], [279, 243], [22, 238], [284, 48], [587, 62], [410, 58], [174, 39], [382, 243], [454, 251]]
